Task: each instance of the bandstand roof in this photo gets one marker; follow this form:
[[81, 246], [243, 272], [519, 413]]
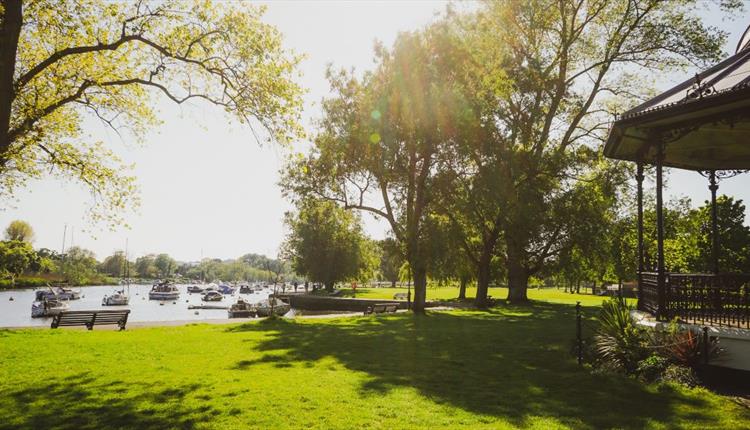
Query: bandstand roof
[[703, 122]]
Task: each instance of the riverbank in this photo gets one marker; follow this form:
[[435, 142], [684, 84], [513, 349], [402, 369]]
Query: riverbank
[[508, 367]]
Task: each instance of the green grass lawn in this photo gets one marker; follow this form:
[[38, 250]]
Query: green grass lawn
[[550, 295], [507, 367]]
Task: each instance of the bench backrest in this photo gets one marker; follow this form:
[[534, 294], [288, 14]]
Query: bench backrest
[[90, 318]]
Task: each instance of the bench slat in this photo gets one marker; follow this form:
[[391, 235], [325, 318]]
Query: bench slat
[[91, 318]]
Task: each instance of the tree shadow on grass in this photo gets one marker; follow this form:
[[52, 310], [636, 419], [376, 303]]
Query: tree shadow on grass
[[85, 402], [511, 362]]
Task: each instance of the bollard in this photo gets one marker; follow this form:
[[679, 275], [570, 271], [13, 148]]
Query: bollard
[[705, 345], [579, 340]]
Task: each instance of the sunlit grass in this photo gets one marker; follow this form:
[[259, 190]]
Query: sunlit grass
[[550, 295], [504, 368]]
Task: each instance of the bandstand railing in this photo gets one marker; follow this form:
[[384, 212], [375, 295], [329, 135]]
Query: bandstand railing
[[722, 299]]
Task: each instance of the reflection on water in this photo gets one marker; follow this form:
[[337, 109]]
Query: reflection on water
[[17, 313]]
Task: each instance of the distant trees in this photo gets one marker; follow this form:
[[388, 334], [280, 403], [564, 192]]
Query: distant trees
[[115, 264], [165, 265], [79, 266], [325, 243], [19, 230], [391, 260], [145, 267]]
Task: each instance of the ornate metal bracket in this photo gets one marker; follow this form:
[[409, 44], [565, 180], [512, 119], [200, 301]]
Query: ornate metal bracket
[[720, 174], [699, 89]]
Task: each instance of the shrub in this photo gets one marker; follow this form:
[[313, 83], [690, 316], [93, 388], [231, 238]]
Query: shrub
[[619, 343], [682, 375], [684, 347], [652, 368]]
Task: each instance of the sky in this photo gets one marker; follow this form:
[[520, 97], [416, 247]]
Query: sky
[[209, 190]]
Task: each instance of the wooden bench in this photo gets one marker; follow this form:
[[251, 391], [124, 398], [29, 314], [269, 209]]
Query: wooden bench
[[400, 296], [91, 318], [380, 308]]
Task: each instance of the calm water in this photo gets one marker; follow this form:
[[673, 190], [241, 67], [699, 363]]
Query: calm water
[[17, 313]]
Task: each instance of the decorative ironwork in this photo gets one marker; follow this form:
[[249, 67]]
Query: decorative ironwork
[[722, 299], [721, 174], [699, 89]]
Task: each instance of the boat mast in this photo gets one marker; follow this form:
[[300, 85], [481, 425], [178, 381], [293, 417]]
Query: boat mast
[[127, 266]]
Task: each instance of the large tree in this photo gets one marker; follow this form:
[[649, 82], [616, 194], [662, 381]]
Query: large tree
[[549, 98], [383, 140], [325, 243], [15, 257], [63, 60]]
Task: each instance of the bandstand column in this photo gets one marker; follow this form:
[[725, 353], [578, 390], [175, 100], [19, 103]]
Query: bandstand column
[[714, 186], [639, 182], [661, 275]]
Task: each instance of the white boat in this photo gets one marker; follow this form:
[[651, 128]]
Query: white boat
[[57, 293], [273, 305], [194, 289], [119, 298], [211, 287], [47, 308], [164, 291]]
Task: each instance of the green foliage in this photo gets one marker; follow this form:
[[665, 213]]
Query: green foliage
[[15, 257], [109, 60], [19, 230], [325, 243], [681, 375], [619, 341], [165, 265], [79, 266], [114, 265], [145, 267], [652, 367]]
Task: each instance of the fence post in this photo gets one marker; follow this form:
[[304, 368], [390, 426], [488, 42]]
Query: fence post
[[579, 339]]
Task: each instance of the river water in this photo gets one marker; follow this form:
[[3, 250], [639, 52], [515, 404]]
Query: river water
[[17, 312]]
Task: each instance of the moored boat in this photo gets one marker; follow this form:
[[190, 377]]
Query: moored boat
[[242, 309], [246, 289], [164, 291], [194, 289], [119, 298], [226, 289], [47, 308], [57, 293], [272, 306], [212, 296]]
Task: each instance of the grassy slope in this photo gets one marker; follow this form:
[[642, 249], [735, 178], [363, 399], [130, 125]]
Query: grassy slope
[[508, 367], [447, 293]]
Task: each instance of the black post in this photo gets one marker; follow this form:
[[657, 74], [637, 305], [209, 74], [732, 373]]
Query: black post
[[714, 186], [579, 339], [661, 292], [639, 181]]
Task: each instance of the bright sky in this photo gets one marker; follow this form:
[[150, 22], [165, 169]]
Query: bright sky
[[208, 190]]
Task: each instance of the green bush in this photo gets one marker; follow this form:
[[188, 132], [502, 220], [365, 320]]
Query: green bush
[[619, 343], [652, 368], [682, 375]]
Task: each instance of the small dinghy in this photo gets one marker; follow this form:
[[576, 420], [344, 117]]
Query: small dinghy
[[164, 291], [242, 309], [47, 308], [246, 289], [119, 298], [212, 296], [272, 306]]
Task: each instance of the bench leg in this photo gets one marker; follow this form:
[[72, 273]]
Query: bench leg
[[90, 326]]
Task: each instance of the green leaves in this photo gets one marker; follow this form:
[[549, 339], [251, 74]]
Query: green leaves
[[110, 60]]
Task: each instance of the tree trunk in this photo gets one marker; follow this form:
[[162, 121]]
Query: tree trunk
[[10, 29], [329, 287], [518, 281], [420, 290], [462, 288], [483, 276], [393, 284]]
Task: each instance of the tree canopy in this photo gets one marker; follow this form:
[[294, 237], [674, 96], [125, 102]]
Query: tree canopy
[[61, 61], [19, 230]]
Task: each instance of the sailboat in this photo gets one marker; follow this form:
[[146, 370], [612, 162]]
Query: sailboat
[[119, 298]]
